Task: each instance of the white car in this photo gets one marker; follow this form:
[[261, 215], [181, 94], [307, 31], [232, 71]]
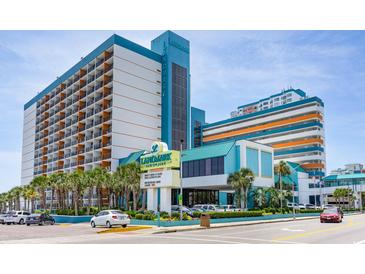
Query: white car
[[228, 208], [110, 218], [211, 207], [295, 205], [16, 217]]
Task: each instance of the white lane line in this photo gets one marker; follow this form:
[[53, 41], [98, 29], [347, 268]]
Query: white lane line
[[251, 239], [193, 239], [292, 230]]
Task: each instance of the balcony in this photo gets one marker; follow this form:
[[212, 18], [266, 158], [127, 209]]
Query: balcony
[[98, 121], [97, 146], [67, 165], [99, 62], [97, 158], [73, 153], [89, 137], [89, 148], [89, 160], [98, 133], [73, 164]]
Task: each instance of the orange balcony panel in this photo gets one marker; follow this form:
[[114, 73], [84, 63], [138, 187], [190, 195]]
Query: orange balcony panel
[[288, 121], [107, 54], [312, 165], [63, 86], [82, 72], [298, 143]]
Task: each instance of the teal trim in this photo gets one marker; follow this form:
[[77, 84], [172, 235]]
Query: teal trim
[[173, 49], [114, 39], [222, 198], [252, 160], [299, 150], [295, 167], [266, 164], [345, 176], [266, 111], [230, 161], [62, 219], [208, 151], [238, 157], [133, 157], [297, 91], [269, 132]]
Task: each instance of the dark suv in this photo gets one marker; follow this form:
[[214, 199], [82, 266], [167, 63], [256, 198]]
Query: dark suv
[[40, 219]]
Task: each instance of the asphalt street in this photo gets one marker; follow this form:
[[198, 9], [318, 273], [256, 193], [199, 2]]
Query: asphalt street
[[350, 231]]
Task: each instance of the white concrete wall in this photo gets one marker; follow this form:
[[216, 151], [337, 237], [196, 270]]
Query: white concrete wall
[[136, 113], [29, 122]]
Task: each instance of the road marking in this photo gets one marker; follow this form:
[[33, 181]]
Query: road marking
[[250, 239], [190, 238], [360, 242], [310, 233], [123, 229], [292, 230]]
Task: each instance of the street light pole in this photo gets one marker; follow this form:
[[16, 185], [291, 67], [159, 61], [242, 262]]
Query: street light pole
[[181, 188]]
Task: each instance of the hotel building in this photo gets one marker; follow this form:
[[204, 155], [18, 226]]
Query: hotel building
[[290, 122], [118, 99]]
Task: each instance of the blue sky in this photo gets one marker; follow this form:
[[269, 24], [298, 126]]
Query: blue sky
[[228, 69]]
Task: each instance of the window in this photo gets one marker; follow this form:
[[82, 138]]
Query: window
[[203, 167], [252, 157]]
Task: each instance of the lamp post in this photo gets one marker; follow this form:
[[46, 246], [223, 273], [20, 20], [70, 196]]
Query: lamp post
[[181, 188]]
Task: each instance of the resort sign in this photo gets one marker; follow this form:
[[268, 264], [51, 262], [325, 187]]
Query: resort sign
[[160, 157]]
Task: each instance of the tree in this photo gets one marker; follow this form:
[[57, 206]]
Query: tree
[[274, 197], [90, 183], [241, 181], [78, 185], [133, 178], [259, 196], [40, 183], [281, 169]]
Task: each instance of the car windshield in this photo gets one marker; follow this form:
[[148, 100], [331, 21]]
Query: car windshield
[[116, 212], [198, 206], [330, 211]]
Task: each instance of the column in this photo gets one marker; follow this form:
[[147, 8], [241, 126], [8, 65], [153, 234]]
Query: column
[[165, 199], [152, 199]]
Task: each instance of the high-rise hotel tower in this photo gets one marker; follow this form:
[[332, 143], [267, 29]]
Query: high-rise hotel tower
[[118, 99]]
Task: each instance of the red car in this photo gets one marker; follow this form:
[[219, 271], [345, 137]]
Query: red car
[[331, 215]]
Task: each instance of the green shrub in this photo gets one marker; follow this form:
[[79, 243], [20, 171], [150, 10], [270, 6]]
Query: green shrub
[[310, 211], [131, 213], [196, 214], [235, 214], [139, 216], [164, 214]]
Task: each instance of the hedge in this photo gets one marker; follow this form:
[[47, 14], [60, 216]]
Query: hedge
[[310, 211]]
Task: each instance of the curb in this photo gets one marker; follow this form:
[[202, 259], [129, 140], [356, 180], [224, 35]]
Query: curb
[[235, 224]]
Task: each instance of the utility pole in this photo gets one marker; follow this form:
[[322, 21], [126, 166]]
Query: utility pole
[[181, 188]]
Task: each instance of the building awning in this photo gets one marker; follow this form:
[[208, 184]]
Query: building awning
[[208, 151], [133, 157], [296, 167]]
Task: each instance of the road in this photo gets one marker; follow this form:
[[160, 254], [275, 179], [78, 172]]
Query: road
[[350, 231]]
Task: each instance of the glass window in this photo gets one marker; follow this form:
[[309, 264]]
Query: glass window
[[191, 169], [202, 167], [208, 167], [196, 168]]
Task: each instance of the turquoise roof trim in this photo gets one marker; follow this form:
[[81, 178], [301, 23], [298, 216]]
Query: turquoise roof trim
[[296, 167], [258, 113], [133, 157], [208, 151], [114, 39], [344, 176]]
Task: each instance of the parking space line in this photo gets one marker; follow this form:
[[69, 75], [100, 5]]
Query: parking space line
[[193, 239]]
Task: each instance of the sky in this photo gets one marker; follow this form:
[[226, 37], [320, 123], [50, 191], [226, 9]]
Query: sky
[[228, 69]]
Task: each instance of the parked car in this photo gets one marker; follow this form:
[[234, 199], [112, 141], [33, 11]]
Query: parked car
[[198, 208], [176, 209], [211, 207], [295, 205], [310, 206], [228, 208], [40, 219], [301, 206], [2, 218], [328, 206], [110, 218], [16, 217], [331, 214]]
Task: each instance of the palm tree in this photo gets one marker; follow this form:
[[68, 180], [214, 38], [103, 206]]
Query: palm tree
[[100, 178], [260, 197], [90, 183], [282, 169], [16, 193], [3, 202], [274, 197], [241, 181], [78, 186], [133, 172], [53, 180], [31, 195], [41, 183], [120, 182]]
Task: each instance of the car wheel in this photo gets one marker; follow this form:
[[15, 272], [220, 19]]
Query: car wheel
[[93, 224], [52, 222], [21, 222], [41, 223], [108, 225], [124, 226], [28, 224], [321, 221]]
